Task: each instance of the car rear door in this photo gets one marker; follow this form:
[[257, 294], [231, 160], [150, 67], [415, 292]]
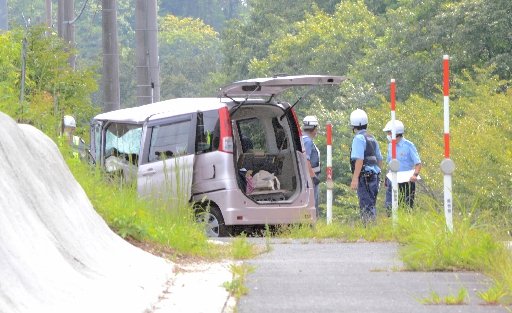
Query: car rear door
[[272, 86]]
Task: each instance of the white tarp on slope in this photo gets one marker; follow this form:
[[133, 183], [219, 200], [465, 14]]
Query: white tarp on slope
[[56, 253]]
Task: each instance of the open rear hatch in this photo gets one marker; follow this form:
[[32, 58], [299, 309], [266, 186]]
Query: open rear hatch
[[272, 86], [274, 153]]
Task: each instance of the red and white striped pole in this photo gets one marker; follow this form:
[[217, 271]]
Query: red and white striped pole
[[328, 171], [394, 165], [447, 165]]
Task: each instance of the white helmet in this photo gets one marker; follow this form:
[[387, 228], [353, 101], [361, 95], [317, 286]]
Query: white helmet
[[358, 117], [399, 127], [310, 122], [69, 121]]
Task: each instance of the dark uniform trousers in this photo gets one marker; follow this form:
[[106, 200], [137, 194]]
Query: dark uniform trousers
[[406, 193], [367, 191]]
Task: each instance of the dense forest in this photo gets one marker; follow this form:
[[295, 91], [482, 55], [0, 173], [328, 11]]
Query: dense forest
[[204, 44]]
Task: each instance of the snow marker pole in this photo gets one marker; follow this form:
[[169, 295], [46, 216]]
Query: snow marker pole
[[329, 181], [447, 165], [394, 165]]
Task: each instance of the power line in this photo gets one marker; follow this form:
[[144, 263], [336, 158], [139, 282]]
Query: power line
[[79, 14]]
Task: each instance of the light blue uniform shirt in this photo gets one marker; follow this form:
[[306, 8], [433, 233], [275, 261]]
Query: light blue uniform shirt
[[358, 147], [406, 154], [312, 153]]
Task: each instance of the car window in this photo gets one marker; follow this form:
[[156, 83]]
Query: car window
[[207, 131], [168, 141], [279, 134], [123, 139], [252, 134]]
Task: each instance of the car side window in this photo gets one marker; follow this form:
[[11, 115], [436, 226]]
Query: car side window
[[207, 131], [169, 140]]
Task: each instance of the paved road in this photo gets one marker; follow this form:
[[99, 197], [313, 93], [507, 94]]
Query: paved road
[[299, 276]]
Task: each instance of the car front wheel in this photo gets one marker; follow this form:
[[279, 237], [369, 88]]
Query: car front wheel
[[212, 220]]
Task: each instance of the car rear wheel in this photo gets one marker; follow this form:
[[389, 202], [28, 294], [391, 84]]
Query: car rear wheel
[[212, 220]]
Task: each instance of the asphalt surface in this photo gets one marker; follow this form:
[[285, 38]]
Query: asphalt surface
[[300, 276]]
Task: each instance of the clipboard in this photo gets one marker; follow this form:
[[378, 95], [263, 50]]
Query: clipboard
[[403, 176]]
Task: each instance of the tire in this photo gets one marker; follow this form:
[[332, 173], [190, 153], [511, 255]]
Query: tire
[[211, 217]]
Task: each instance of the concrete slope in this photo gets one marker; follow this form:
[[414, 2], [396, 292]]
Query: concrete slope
[[56, 252]]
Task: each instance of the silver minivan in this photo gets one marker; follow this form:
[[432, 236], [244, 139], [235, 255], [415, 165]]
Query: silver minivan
[[238, 158]]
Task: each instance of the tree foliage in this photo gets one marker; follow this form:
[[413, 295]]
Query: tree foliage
[[52, 88], [249, 37], [418, 33], [212, 12], [321, 43], [479, 123], [207, 43], [189, 56]]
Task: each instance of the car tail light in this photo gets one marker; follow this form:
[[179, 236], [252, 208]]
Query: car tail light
[[226, 133], [296, 120]]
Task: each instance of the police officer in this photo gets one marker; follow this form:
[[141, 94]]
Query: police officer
[[409, 160], [68, 132], [365, 161], [310, 129]]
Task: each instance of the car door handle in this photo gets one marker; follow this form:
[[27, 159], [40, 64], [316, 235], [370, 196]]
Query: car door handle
[[148, 172]]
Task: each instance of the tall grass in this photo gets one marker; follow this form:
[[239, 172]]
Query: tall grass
[[155, 221], [427, 245], [474, 245], [381, 230]]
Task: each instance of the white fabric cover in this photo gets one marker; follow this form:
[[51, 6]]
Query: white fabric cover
[[56, 253]]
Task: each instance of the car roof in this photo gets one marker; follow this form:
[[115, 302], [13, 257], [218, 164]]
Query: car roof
[[254, 89], [137, 115], [271, 86]]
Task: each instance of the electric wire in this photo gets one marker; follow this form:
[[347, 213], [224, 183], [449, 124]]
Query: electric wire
[[79, 14]]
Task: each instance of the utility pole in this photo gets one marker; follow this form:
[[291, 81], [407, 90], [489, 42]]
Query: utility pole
[[111, 89], [69, 28], [48, 15], [146, 45], [66, 26], [4, 21], [60, 17]]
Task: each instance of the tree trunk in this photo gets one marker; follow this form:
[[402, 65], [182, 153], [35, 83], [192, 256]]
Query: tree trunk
[[4, 21], [111, 89], [146, 44]]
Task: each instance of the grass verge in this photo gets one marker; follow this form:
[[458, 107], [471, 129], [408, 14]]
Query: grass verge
[[161, 223], [381, 230], [427, 245]]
